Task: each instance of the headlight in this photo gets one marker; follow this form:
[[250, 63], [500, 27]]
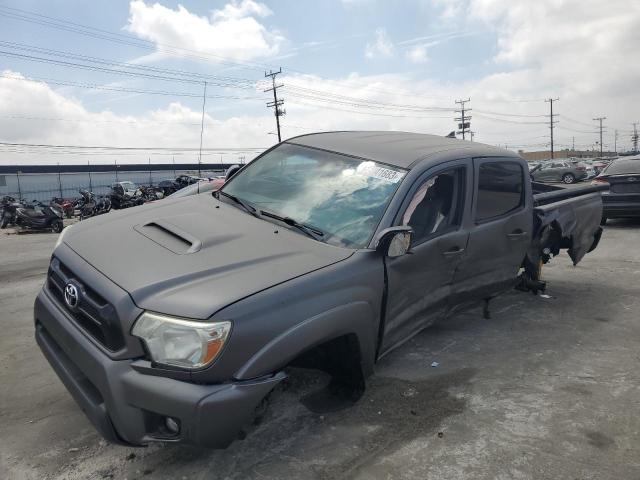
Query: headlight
[[179, 342], [61, 236]]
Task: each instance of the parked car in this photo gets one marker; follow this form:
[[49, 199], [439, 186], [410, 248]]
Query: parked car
[[623, 178], [186, 180], [559, 171], [302, 258], [200, 187], [168, 187]]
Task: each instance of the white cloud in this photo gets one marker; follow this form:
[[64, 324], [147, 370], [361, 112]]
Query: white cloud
[[417, 54], [382, 47], [32, 112], [232, 32]]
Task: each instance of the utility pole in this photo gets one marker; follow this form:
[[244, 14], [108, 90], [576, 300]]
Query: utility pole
[[465, 120], [59, 180], [204, 101], [277, 103], [89, 168], [552, 121], [150, 180], [173, 160], [472, 133], [600, 119], [573, 144], [115, 163], [19, 189], [615, 142], [634, 137]]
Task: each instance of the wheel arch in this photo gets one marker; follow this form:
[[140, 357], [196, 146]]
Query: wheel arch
[[351, 322]]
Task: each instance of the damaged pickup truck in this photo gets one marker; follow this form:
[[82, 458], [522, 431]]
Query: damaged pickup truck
[[173, 321]]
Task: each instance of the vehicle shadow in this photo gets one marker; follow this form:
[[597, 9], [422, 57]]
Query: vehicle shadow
[[292, 442], [622, 223], [410, 398]]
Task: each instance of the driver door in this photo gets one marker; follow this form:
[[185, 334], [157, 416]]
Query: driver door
[[419, 283]]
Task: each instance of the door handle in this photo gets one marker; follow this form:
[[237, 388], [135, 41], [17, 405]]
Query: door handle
[[518, 233], [453, 251]]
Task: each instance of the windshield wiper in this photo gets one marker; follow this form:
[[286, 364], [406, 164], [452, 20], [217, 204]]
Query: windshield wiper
[[310, 231], [248, 207]]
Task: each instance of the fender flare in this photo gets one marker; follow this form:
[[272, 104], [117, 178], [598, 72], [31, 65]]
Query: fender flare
[[352, 318]]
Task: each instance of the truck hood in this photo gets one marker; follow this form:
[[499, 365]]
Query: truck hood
[[195, 255]]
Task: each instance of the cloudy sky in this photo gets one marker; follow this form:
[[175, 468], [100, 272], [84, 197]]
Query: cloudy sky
[[126, 74]]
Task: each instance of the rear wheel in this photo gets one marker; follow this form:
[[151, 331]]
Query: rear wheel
[[568, 178], [57, 226]]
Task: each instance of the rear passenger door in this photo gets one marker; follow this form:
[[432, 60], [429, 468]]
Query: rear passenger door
[[500, 226]]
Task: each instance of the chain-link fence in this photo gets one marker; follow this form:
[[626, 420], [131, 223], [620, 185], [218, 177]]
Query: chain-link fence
[[45, 186]]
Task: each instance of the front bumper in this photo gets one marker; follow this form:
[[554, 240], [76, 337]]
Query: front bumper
[[129, 407]]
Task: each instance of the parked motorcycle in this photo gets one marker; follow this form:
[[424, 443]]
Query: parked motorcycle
[[40, 217], [121, 199], [66, 205], [86, 204], [103, 204], [150, 193], [8, 206]]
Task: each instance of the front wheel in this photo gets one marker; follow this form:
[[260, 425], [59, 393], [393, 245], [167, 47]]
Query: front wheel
[[568, 178], [57, 226]]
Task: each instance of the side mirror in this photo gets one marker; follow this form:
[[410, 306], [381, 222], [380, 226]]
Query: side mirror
[[395, 241], [233, 169]]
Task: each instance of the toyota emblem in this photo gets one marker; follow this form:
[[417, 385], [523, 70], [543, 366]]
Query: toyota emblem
[[71, 296]]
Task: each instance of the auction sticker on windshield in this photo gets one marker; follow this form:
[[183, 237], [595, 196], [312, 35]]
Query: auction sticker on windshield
[[370, 169]]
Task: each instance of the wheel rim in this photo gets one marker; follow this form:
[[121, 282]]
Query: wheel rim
[[568, 179]]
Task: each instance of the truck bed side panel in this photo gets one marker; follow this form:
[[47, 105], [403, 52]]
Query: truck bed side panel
[[572, 223]]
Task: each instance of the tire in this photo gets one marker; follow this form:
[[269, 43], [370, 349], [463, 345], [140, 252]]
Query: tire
[[603, 221], [4, 222], [57, 226], [568, 178]]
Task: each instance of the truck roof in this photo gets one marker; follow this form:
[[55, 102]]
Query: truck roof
[[401, 149]]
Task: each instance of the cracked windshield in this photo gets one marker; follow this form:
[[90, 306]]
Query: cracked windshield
[[342, 197]]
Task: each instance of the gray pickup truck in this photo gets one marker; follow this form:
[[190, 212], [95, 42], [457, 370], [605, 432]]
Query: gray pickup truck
[[174, 320]]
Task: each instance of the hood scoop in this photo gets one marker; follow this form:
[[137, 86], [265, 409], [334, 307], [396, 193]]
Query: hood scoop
[[169, 236]]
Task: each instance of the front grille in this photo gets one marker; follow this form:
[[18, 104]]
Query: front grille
[[94, 314]]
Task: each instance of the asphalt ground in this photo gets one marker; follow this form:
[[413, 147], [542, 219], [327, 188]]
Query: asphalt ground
[[548, 388]]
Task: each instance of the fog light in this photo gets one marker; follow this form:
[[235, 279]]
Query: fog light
[[172, 425]]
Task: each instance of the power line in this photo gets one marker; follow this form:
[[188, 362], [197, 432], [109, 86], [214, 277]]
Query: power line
[[105, 147], [124, 39], [95, 68], [103, 61], [143, 91]]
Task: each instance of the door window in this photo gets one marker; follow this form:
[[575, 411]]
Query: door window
[[436, 206], [500, 189]]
